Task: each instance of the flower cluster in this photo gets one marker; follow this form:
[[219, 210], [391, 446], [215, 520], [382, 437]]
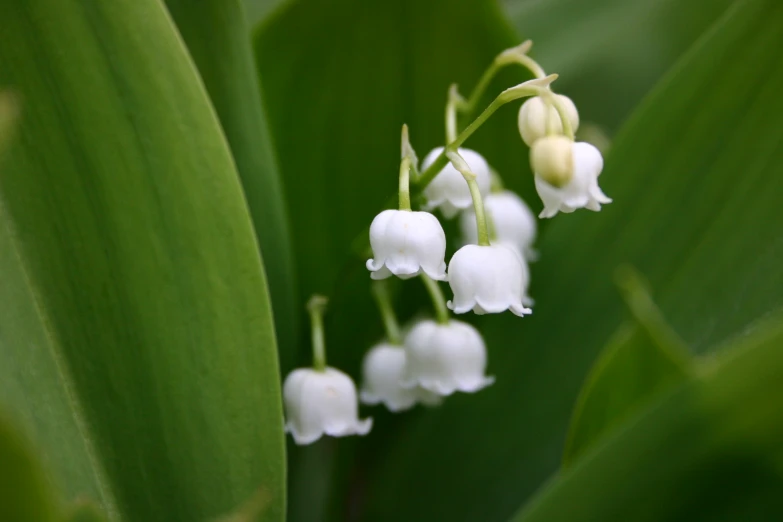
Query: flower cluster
[[488, 274]]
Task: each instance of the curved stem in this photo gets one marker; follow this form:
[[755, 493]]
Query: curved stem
[[451, 113], [405, 191], [380, 292], [568, 130], [528, 88], [478, 208], [478, 202], [530, 64], [316, 307], [478, 91], [438, 301], [515, 55]]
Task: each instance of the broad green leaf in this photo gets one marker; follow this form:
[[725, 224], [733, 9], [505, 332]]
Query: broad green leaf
[[84, 511], [8, 115], [611, 52], [251, 510], [712, 449], [642, 360], [695, 176], [136, 334], [219, 42], [340, 79], [258, 10], [25, 494]]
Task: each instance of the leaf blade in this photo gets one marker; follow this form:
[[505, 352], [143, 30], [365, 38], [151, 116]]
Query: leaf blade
[[722, 424], [219, 42], [132, 224], [643, 359]]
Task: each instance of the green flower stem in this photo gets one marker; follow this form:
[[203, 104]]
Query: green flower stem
[[407, 152], [316, 307], [550, 98], [529, 88], [438, 301], [451, 113], [405, 192], [507, 57], [472, 102], [380, 292], [478, 208], [478, 203], [530, 64]]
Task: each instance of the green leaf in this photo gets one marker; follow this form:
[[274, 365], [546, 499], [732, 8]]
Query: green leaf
[[219, 42], [711, 449], [258, 10], [25, 495], [8, 115], [135, 326], [251, 510], [84, 511], [641, 361], [695, 176]]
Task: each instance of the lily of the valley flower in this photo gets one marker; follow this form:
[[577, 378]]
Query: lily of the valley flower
[[448, 190], [406, 243], [488, 279], [533, 116], [383, 370], [566, 175], [512, 222], [445, 358], [321, 402]]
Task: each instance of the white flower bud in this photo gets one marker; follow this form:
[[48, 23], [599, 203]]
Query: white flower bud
[[449, 191], [532, 118], [551, 158], [319, 403], [445, 358], [406, 243], [582, 191], [488, 279], [383, 370], [512, 222]]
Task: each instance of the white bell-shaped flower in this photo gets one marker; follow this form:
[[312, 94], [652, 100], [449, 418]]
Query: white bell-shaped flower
[[321, 402], [533, 116], [488, 279], [513, 223], [566, 175], [383, 370], [445, 358], [449, 191], [406, 243]]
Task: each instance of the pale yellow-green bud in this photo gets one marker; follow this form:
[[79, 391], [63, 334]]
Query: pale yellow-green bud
[[551, 158], [533, 116]]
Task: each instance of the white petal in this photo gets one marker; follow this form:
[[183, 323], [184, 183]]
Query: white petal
[[320, 403], [449, 191], [487, 279], [533, 114], [445, 358], [404, 243], [382, 372], [582, 191]]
